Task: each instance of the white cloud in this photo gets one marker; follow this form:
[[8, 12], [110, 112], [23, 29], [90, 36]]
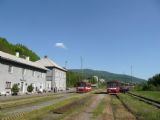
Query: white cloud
[[60, 45]]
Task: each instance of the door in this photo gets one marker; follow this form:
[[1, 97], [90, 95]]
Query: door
[[22, 87]]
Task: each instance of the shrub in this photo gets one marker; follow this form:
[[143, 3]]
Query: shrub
[[30, 88], [155, 80], [15, 89]]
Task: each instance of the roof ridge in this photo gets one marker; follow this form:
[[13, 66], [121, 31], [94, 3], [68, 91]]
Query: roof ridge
[[50, 63], [11, 57]]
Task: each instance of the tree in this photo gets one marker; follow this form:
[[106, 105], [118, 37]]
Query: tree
[[15, 89], [72, 78], [92, 80], [30, 88], [10, 48], [155, 80]]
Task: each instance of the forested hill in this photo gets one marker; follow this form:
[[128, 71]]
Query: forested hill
[[10, 48], [107, 75]]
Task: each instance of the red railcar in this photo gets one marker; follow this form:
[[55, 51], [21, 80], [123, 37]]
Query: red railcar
[[113, 87], [83, 87]]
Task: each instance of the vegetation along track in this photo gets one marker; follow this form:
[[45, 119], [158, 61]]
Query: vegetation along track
[[15, 111], [128, 109], [120, 110], [18, 112], [146, 100]]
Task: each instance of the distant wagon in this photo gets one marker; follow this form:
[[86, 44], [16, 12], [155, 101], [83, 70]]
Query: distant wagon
[[124, 87], [83, 87]]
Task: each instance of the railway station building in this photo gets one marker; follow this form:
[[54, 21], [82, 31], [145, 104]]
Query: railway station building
[[15, 70]]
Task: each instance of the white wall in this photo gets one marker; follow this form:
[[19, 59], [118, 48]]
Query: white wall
[[17, 77], [60, 79]]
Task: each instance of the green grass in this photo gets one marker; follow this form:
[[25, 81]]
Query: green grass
[[38, 114], [79, 107], [142, 110], [154, 95], [15, 103], [99, 109]]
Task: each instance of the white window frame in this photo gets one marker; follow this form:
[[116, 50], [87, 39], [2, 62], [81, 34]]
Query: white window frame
[[8, 85], [43, 75], [10, 69], [24, 71], [33, 73]]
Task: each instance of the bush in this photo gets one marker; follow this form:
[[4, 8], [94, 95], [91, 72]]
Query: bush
[[15, 89], [30, 88], [155, 80], [146, 87]]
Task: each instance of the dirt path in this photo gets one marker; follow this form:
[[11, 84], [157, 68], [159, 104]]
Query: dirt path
[[86, 114]]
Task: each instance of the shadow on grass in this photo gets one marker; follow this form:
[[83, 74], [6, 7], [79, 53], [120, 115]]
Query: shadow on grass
[[100, 93]]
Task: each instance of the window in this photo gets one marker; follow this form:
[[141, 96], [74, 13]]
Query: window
[[34, 73], [8, 85], [48, 86], [49, 78], [42, 75], [23, 71], [10, 69]]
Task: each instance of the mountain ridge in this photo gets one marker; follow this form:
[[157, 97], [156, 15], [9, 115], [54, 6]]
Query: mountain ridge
[[108, 75]]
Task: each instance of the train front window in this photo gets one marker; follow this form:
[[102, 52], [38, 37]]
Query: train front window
[[81, 85], [112, 85]]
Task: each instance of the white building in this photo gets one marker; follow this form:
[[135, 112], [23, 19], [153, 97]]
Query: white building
[[15, 70], [56, 75]]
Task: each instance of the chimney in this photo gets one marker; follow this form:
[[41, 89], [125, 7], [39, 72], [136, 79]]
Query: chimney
[[27, 58], [45, 56], [17, 54]]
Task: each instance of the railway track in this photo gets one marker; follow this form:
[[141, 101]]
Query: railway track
[[121, 110], [146, 100], [128, 109]]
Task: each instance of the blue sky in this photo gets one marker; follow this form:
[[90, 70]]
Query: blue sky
[[110, 35]]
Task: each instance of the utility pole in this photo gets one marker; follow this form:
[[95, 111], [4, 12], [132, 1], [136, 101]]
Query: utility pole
[[131, 74], [124, 76], [66, 64], [68, 72], [81, 67]]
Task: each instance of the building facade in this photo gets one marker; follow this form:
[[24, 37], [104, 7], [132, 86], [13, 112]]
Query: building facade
[[15, 70], [56, 75]]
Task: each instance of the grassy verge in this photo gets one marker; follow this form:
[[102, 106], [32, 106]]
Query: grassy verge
[[40, 113], [75, 107], [119, 111], [23, 97], [154, 95], [142, 110], [9, 104]]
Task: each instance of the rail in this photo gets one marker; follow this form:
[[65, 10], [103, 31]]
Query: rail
[[146, 100]]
